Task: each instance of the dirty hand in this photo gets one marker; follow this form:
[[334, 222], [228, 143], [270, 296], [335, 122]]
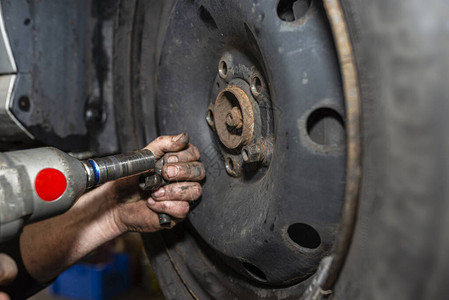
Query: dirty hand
[[181, 168], [8, 271]]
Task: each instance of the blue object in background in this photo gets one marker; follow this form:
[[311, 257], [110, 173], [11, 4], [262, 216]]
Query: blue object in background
[[95, 282]]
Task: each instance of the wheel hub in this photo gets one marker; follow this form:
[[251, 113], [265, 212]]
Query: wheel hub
[[239, 114]]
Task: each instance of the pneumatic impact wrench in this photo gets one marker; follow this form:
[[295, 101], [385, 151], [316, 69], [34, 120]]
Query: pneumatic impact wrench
[[40, 183]]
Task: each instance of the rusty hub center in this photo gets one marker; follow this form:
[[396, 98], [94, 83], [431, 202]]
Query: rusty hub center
[[241, 115], [234, 117]]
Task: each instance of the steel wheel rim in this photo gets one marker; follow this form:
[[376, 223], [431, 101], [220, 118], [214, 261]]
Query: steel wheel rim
[[191, 226]]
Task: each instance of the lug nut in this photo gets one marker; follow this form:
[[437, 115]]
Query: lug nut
[[234, 118], [253, 153], [149, 182]]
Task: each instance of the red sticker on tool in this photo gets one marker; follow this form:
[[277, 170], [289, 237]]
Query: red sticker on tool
[[50, 184]]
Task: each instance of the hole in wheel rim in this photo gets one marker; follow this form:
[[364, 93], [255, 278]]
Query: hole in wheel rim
[[304, 235], [229, 164], [223, 69], [254, 271], [292, 10], [256, 85], [210, 117], [207, 17], [325, 126]]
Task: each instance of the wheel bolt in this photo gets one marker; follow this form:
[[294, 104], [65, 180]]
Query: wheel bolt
[[234, 118]]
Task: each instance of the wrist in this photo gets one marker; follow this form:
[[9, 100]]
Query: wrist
[[109, 208]]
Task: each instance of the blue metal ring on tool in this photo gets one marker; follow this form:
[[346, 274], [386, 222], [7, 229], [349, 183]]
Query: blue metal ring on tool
[[96, 171]]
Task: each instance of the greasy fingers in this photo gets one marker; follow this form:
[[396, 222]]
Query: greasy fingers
[[140, 217], [8, 269], [168, 143], [192, 171], [176, 209], [180, 191], [190, 154]]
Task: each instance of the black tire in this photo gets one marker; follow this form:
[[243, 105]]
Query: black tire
[[400, 242]]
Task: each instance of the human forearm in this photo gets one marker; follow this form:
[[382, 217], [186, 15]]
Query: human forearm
[[51, 246], [69, 237]]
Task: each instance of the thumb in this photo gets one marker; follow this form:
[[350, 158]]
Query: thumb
[[3, 296], [8, 269], [168, 143]]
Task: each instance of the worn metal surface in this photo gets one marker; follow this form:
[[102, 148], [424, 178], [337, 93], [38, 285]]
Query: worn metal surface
[[258, 151], [242, 224], [240, 113], [13, 185], [234, 117], [19, 202], [11, 129], [7, 63], [353, 135], [150, 181], [103, 169], [63, 92], [19, 170]]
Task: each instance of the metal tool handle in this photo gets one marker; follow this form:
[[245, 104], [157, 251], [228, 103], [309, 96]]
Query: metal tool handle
[[103, 169]]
